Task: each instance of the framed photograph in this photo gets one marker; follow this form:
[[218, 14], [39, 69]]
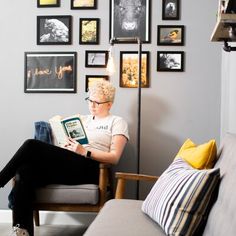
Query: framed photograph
[[90, 79], [48, 3], [170, 9], [129, 69], [172, 35], [53, 30], [130, 19], [83, 4], [89, 31], [96, 58], [170, 61], [50, 72]]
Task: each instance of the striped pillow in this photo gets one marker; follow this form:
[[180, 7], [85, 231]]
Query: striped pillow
[[178, 201]]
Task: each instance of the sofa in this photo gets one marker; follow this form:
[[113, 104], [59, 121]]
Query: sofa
[[125, 217]]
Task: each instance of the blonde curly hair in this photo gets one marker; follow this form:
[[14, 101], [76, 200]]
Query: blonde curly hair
[[103, 89]]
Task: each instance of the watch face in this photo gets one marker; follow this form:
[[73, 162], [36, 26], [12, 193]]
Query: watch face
[[88, 154]]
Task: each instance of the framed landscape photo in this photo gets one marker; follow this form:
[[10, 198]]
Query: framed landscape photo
[[54, 30], [83, 4], [90, 79], [89, 31], [170, 9], [130, 19], [129, 69], [96, 58], [172, 35], [50, 72], [48, 3], [170, 61]]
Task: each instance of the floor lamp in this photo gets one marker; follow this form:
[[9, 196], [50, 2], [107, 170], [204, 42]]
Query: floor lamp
[[139, 42]]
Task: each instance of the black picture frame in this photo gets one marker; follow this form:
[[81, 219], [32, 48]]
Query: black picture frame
[[171, 35], [129, 69], [50, 72], [130, 23], [96, 58], [48, 3], [92, 78], [89, 30], [54, 30], [172, 61], [83, 4], [170, 9]]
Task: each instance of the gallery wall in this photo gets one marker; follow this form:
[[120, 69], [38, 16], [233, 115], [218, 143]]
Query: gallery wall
[[176, 106]]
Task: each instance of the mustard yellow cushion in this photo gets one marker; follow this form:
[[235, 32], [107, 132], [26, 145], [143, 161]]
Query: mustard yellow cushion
[[198, 156]]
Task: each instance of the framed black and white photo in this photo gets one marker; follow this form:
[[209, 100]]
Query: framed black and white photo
[[50, 72], [130, 18], [89, 31], [170, 9], [172, 35], [48, 3], [96, 58], [170, 61], [53, 30], [90, 79], [83, 4]]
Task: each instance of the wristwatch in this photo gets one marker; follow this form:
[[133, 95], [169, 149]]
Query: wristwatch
[[88, 155]]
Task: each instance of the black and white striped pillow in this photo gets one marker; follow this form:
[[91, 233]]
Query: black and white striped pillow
[[178, 201]]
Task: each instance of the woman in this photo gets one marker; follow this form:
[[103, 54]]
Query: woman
[[37, 163]]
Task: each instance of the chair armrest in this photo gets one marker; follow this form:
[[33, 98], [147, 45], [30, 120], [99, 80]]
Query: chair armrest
[[122, 177]]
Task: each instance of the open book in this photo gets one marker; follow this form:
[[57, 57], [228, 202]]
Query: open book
[[72, 127]]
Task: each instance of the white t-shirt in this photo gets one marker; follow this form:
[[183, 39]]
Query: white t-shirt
[[100, 131]]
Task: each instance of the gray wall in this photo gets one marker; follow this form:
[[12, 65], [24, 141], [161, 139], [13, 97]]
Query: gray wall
[[175, 107]]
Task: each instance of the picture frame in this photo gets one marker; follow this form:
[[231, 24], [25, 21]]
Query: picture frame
[[48, 3], [54, 30], [171, 35], [93, 78], [134, 23], [129, 69], [172, 61], [83, 4], [96, 58], [50, 72], [170, 9], [89, 31]]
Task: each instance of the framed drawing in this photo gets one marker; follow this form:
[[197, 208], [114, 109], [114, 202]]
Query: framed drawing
[[83, 4], [170, 61], [90, 79], [96, 58], [50, 72], [48, 3], [170, 9], [172, 35], [130, 19], [89, 31], [53, 30], [129, 69]]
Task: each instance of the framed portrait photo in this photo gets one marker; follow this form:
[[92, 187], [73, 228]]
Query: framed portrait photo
[[83, 4], [90, 79], [89, 31], [172, 35], [54, 30], [50, 72], [170, 61], [129, 69], [170, 9], [96, 58], [48, 3], [130, 19]]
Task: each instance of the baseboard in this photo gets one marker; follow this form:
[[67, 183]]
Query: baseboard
[[49, 217]]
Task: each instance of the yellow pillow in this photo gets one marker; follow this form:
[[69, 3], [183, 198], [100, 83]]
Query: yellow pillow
[[198, 156]]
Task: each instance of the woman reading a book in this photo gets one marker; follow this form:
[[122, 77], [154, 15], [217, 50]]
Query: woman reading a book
[[37, 163]]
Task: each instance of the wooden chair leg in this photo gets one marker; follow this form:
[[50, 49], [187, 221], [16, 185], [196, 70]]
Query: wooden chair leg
[[36, 217]]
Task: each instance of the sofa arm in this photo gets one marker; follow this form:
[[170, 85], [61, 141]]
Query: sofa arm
[[123, 177]]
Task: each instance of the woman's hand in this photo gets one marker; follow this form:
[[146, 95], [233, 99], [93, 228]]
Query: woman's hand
[[74, 146]]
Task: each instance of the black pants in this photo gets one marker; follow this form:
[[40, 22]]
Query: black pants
[[37, 164]]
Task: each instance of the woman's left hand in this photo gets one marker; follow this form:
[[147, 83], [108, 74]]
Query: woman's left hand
[[74, 146]]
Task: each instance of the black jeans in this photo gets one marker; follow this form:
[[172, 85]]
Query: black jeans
[[37, 164]]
